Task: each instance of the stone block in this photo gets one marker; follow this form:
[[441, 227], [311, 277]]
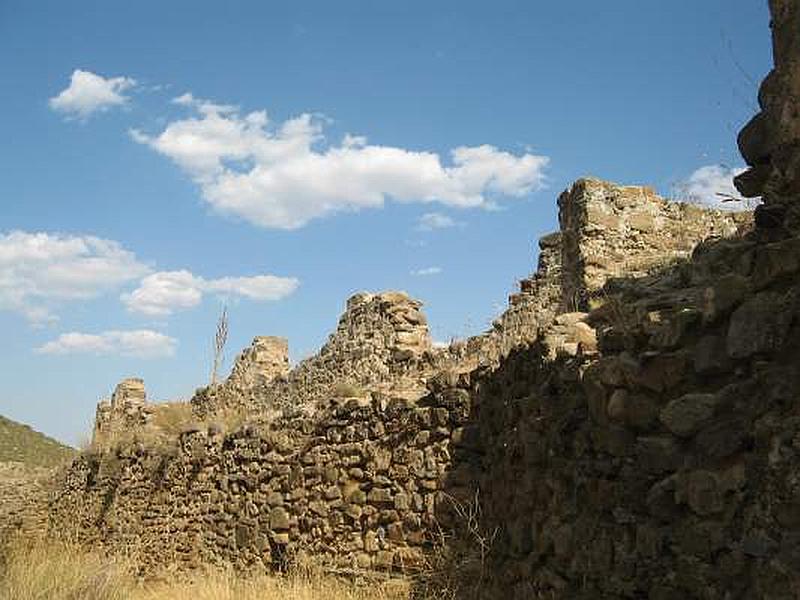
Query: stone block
[[760, 325], [684, 416]]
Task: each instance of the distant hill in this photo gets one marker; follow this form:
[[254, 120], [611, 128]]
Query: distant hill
[[20, 443]]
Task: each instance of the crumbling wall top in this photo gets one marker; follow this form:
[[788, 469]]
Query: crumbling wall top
[[378, 341], [129, 391], [128, 410], [611, 231], [770, 142], [266, 359]]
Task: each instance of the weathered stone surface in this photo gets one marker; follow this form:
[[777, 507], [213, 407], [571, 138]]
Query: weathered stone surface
[[760, 325], [128, 410], [685, 415], [770, 142], [381, 341], [266, 359], [640, 232]]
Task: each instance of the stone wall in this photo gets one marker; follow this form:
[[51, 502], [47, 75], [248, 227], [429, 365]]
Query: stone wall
[[770, 142], [356, 485], [396, 427], [381, 343], [610, 231], [265, 360], [666, 465], [24, 495], [661, 463], [356, 476], [127, 410], [536, 302]]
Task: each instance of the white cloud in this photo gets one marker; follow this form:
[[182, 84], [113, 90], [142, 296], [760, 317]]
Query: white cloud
[[40, 270], [140, 343], [284, 175], [433, 220], [710, 185], [427, 271], [88, 93], [260, 287], [164, 292]]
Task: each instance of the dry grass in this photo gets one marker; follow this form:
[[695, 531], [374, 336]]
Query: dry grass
[[171, 418], [37, 570], [348, 390], [309, 586], [32, 570]]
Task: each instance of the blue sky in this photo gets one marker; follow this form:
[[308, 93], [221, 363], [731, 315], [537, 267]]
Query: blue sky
[[161, 158]]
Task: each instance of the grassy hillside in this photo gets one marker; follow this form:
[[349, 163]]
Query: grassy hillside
[[20, 443]]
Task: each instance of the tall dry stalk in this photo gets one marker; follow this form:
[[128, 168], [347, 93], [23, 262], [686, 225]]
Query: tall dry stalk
[[220, 339]]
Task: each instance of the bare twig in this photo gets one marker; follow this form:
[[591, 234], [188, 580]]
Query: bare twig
[[220, 339]]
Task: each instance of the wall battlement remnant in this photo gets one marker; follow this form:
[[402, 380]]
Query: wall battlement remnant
[[265, 360], [381, 341], [127, 410]]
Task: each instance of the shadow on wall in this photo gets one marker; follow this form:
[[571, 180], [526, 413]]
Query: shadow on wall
[[664, 465]]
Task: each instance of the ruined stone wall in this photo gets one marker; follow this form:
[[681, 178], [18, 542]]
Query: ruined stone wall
[[646, 448], [265, 360], [537, 301], [613, 231], [356, 485], [666, 465], [770, 142], [400, 432], [607, 232], [127, 410], [381, 342]]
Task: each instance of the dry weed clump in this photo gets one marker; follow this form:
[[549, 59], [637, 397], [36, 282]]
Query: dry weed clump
[[52, 570], [172, 418], [161, 434], [459, 566], [38, 570], [348, 390]]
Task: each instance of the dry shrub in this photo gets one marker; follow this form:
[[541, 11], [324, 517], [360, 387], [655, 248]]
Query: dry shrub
[[228, 420], [172, 418], [459, 565], [50, 570], [348, 390]]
